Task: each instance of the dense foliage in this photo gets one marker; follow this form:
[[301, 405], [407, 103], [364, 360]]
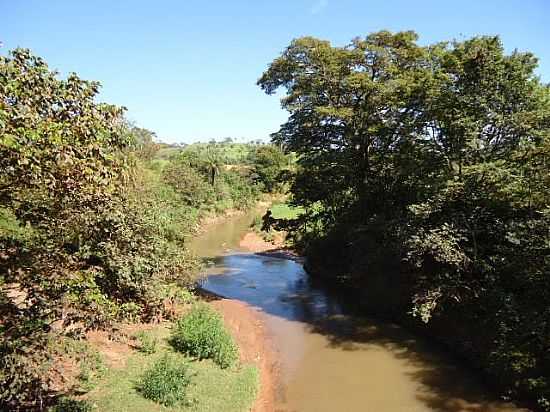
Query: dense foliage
[[424, 172], [206, 182], [92, 219], [269, 165], [202, 334]]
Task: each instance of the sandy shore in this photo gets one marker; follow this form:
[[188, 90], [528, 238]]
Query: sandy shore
[[254, 243]]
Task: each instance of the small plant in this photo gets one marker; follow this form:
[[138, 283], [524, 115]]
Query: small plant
[[166, 382], [147, 342], [129, 312], [90, 363], [177, 293], [201, 334], [71, 405]]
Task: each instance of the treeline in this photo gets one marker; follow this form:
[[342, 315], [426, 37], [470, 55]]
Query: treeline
[[425, 175], [92, 220]]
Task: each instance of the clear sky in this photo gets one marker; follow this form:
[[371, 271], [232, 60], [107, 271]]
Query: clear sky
[[187, 69]]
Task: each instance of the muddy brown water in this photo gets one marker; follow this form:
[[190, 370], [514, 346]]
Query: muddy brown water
[[331, 358]]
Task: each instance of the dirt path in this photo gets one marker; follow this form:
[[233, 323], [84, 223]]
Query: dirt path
[[247, 326]]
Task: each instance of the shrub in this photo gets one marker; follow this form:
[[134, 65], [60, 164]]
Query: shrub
[[71, 405], [193, 188], [201, 334], [166, 382], [147, 342], [23, 379]]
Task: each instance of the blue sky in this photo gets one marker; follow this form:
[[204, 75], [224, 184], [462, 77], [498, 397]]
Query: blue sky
[[188, 69]]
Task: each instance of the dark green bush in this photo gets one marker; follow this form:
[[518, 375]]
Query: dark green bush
[[71, 405], [192, 187], [269, 161], [166, 382], [239, 187], [201, 334]]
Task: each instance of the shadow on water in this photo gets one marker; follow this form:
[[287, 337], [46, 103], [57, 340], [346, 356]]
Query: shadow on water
[[334, 332], [281, 288]]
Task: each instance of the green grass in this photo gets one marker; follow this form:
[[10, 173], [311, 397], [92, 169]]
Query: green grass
[[212, 389], [147, 342], [285, 211]]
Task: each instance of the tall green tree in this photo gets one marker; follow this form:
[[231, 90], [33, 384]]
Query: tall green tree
[[440, 155], [60, 161], [268, 162], [350, 108], [81, 239]]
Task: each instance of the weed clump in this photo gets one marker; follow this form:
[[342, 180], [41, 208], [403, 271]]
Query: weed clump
[[166, 382], [202, 334], [147, 342], [71, 405]]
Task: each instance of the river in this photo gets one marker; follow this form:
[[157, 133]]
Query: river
[[332, 357]]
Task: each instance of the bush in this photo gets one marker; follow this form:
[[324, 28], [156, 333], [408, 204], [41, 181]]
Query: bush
[[166, 382], [71, 405], [201, 334], [84, 235], [192, 187], [147, 342]]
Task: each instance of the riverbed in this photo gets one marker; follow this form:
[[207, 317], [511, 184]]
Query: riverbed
[[332, 357]]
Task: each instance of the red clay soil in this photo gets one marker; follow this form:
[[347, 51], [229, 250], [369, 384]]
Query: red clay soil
[[116, 351], [248, 329]]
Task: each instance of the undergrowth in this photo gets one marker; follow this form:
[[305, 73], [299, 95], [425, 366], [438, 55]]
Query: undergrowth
[[201, 334]]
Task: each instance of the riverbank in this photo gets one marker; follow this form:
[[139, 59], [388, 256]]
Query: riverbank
[[208, 220], [426, 375], [248, 328], [252, 386], [247, 324], [255, 347], [253, 242]]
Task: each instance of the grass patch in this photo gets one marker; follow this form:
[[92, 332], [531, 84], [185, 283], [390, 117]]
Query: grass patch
[[147, 342], [285, 211], [202, 334], [212, 389]]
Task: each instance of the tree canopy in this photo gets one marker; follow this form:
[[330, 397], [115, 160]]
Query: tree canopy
[[441, 154]]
